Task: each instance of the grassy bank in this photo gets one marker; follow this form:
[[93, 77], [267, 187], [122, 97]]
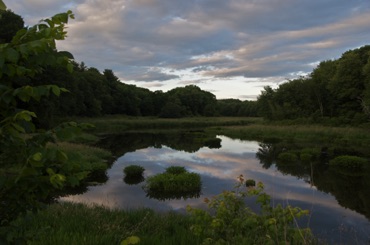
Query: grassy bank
[[316, 135], [68, 223], [226, 221], [117, 124]]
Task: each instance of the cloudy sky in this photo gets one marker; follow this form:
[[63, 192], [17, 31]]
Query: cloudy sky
[[232, 48]]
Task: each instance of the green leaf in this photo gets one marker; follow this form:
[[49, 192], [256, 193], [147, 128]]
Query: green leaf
[[18, 127], [66, 54], [60, 18], [64, 90], [69, 67], [55, 89], [2, 5], [12, 55], [28, 172], [57, 180], [24, 93], [37, 156], [40, 91], [50, 171], [24, 115], [61, 156], [131, 240], [7, 96]]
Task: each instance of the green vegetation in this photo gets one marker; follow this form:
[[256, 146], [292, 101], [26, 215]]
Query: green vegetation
[[229, 221], [337, 92], [349, 162], [175, 170], [33, 167], [250, 183], [68, 223], [133, 171], [41, 170], [175, 182], [119, 123], [89, 158], [287, 157], [339, 139], [133, 174], [39, 160]]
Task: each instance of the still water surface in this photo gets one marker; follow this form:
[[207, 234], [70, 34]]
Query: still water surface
[[219, 167]]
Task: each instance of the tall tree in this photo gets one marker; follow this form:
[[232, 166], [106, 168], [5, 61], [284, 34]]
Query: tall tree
[[10, 24]]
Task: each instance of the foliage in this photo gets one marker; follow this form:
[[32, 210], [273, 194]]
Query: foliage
[[133, 170], [350, 162], [176, 170], [72, 223], [131, 240], [250, 182], [229, 221], [287, 157], [133, 174], [337, 92], [40, 170], [133, 180], [173, 184], [10, 23], [336, 89]]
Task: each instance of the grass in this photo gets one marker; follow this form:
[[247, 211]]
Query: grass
[[227, 221], [94, 158], [175, 182], [133, 170], [116, 124], [357, 139], [69, 223]]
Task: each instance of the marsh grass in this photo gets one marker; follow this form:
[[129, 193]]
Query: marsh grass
[[175, 183], [133, 171], [85, 155], [347, 138], [70, 223], [116, 124]]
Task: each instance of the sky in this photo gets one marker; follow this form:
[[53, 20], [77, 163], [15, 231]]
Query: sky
[[231, 48]]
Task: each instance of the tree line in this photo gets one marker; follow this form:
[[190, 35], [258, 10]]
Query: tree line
[[336, 90]]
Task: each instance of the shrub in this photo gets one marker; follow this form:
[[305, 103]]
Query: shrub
[[133, 171], [175, 170], [250, 182], [229, 221], [168, 185]]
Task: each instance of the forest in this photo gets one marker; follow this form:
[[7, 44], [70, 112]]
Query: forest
[[335, 92]]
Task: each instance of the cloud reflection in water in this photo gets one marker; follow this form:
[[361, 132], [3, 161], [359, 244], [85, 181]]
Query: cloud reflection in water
[[219, 169]]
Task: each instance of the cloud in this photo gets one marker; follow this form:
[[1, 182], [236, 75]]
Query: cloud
[[150, 76], [209, 39]]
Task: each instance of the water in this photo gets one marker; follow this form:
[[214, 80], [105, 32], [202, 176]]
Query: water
[[219, 165]]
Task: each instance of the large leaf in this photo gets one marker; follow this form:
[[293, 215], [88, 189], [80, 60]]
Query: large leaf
[[11, 54], [2, 5]]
